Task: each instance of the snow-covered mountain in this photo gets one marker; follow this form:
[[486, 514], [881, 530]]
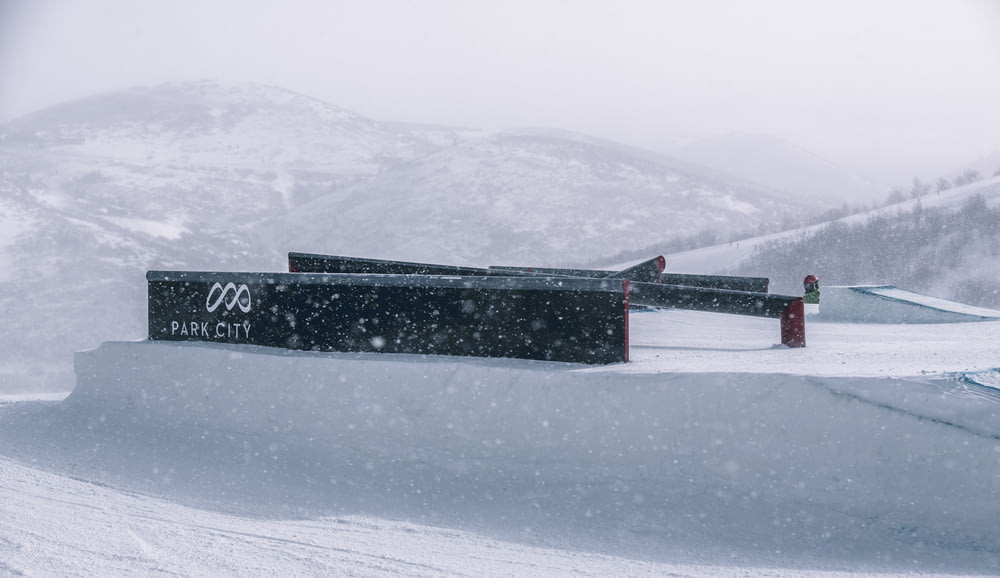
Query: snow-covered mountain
[[783, 166], [207, 175], [946, 243], [525, 196], [202, 156], [220, 159]]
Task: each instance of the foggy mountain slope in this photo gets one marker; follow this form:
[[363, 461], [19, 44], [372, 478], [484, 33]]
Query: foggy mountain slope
[[987, 166], [946, 246], [71, 279], [218, 124], [945, 243], [778, 164], [526, 196], [196, 148], [219, 159]]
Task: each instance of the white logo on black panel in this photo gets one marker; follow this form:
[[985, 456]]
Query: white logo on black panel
[[218, 294]]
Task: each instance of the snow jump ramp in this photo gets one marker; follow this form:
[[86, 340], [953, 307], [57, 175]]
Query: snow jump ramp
[[915, 456], [889, 304], [892, 456]]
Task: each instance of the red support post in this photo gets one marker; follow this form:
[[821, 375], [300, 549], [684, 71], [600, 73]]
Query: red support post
[[626, 289], [793, 324]]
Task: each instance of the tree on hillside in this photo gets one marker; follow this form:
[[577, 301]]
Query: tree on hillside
[[896, 195], [969, 176]]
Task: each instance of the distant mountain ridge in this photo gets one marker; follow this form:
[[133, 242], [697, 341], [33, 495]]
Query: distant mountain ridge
[[206, 156], [524, 196], [945, 243]]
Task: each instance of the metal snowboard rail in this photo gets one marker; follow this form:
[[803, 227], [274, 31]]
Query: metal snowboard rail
[[650, 286], [330, 303], [650, 270], [733, 283]]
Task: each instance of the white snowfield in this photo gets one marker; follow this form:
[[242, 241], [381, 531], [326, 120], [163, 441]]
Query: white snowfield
[[888, 304], [713, 452], [695, 342]]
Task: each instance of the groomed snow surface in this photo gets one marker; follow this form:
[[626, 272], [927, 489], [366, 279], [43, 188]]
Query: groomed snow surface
[[714, 452]]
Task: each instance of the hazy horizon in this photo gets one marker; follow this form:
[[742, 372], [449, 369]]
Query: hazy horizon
[[890, 90]]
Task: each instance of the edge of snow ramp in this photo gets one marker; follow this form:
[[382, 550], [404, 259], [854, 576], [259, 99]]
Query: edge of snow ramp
[[557, 319], [889, 304], [830, 445]]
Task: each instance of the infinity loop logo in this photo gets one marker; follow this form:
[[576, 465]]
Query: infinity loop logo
[[240, 298]]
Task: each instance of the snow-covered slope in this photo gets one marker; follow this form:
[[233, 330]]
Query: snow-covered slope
[[713, 453], [181, 158], [216, 126], [987, 166], [523, 197], [966, 255]]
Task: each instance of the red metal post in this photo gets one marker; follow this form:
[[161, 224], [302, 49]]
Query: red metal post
[[626, 289], [793, 324]]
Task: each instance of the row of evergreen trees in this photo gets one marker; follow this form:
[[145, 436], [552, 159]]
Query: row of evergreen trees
[[946, 253], [920, 188], [949, 253]]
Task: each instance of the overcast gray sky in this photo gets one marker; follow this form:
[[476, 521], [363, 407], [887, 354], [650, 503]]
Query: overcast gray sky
[[908, 86]]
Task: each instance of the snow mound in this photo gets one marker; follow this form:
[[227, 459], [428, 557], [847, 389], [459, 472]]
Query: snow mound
[[680, 456]]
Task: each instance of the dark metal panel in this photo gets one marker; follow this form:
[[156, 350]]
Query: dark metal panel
[[574, 320]]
